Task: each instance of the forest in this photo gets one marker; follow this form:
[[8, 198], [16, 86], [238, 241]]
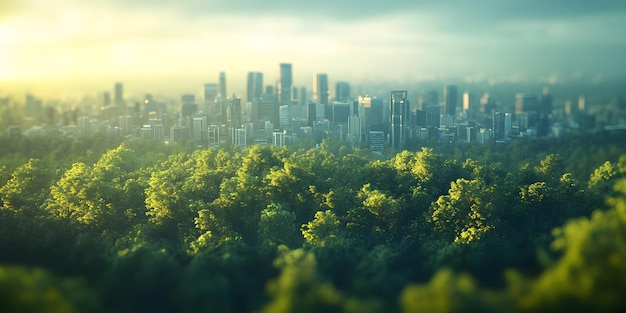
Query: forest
[[103, 225]]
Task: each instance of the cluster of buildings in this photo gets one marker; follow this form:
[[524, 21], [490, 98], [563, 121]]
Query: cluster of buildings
[[283, 114]]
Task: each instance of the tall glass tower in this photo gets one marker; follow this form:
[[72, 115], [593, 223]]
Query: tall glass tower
[[450, 95], [284, 88], [399, 117], [320, 95]]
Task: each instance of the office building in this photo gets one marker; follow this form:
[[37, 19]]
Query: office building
[[546, 102], [340, 112], [268, 110], [240, 137], [189, 106], [254, 87], [285, 84], [278, 139], [199, 130], [284, 115], [433, 116], [222, 85], [342, 91], [179, 133], [371, 114], [321, 96], [210, 92], [311, 113], [525, 102], [213, 135], [399, 107], [450, 93], [502, 127], [304, 99], [354, 127], [234, 113], [84, 126], [119, 94], [377, 141], [106, 98]]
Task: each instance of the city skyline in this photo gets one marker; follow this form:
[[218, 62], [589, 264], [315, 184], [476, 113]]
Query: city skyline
[[161, 44]]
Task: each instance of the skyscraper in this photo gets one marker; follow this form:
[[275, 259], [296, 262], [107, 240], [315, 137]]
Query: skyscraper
[[119, 94], [433, 116], [450, 93], [502, 126], [189, 106], [304, 100], [234, 113], [525, 102], [546, 102], [284, 87], [342, 91], [399, 117], [254, 86], [222, 84], [106, 98], [210, 92], [311, 113], [321, 96]]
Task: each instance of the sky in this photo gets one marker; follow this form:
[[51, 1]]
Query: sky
[[178, 45]]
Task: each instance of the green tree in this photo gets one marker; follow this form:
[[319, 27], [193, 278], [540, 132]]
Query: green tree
[[28, 187], [591, 273], [324, 230], [277, 226], [449, 292], [602, 179], [106, 196], [37, 290], [300, 288], [466, 213], [169, 207]]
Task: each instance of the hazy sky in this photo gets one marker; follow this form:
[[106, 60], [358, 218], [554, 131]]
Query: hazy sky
[[170, 42]]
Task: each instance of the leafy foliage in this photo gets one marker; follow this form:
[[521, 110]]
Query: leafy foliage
[[168, 228]]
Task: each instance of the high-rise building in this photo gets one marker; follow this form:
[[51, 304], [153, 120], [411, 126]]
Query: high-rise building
[[119, 94], [450, 94], [377, 141], [240, 137], [268, 111], [285, 117], [546, 102], [340, 112], [213, 135], [371, 113], [106, 98], [210, 92], [502, 126], [223, 84], [159, 132], [525, 102], [433, 116], [311, 113], [321, 96], [278, 139], [199, 130], [254, 86], [304, 100], [285, 84], [399, 118], [354, 127], [342, 91], [234, 113], [84, 126], [189, 106]]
